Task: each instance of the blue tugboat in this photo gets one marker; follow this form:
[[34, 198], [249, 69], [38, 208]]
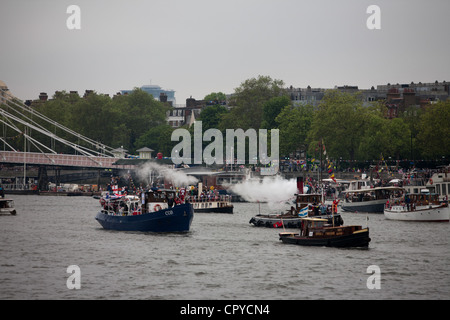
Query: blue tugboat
[[154, 211]]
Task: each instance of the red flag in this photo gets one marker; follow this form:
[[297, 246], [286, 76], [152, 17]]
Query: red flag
[[278, 224]]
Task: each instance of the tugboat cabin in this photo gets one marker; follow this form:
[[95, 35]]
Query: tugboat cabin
[[303, 200], [155, 200], [319, 228]]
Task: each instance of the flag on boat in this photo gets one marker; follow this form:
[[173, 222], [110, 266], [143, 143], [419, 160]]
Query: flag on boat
[[303, 212], [329, 164]]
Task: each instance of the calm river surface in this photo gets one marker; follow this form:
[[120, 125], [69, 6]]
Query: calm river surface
[[222, 257]]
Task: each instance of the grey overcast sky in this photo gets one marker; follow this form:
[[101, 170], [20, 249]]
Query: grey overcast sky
[[200, 46]]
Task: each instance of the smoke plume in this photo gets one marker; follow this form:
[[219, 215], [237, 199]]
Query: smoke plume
[[178, 178], [275, 191]]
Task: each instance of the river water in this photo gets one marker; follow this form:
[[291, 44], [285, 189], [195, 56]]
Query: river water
[[222, 257]]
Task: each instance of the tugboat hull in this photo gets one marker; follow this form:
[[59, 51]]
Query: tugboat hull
[[359, 238], [228, 209], [375, 206], [175, 219], [272, 221]]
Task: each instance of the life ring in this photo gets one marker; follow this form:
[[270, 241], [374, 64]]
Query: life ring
[[431, 181], [157, 207]]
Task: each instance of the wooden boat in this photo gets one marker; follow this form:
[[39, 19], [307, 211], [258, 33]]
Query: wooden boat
[[154, 210], [316, 232], [7, 206], [424, 207], [368, 200], [306, 205]]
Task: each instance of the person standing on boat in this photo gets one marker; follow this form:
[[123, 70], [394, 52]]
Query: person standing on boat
[[109, 189], [335, 206], [316, 209], [408, 201], [323, 209]]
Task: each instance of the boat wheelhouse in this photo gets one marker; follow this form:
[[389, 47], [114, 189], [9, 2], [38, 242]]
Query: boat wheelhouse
[[369, 200], [439, 183]]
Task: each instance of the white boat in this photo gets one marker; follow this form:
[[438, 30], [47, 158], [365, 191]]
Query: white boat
[[440, 183], [214, 204], [7, 206], [419, 207], [368, 200]]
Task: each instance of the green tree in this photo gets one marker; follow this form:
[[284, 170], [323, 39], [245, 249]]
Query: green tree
[[211, 116], [93, 117], [248, 101], [216, 96], [137, 113], [60, 109], [387, 137], [157, 138], [339, 122], [294, 124], [399, 135], [271, 109], [434, 131], [374, 138]]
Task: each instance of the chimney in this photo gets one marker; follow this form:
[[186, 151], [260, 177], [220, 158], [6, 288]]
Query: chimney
[[190, 102], [163, 97], [300, 185], [43, 96]]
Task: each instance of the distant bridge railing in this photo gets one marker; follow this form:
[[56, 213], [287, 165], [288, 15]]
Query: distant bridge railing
[[35, 158]]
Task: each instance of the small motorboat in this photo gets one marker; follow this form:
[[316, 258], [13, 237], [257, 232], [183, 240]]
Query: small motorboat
[[316, 232], [7, 206]]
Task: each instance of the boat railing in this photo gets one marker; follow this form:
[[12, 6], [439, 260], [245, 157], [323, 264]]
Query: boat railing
[[208, 198], [19, 186], [121, 207]]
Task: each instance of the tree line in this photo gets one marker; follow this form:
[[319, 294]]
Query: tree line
[[349, 129]]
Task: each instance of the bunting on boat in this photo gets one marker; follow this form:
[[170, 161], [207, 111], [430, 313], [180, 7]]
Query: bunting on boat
[[329, 163]]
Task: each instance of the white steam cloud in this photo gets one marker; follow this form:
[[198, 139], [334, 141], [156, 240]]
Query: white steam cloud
[[273, 190], [178, 178]]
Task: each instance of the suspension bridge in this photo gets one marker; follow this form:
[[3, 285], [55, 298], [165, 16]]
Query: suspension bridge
[[40, 145], [24, 120]]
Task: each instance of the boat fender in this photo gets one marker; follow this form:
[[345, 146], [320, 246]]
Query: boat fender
[[157, 207], [268, 224]]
